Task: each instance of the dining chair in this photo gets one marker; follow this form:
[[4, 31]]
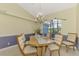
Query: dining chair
[[48, 37], [56, 45], [71, 41], [25, 49]]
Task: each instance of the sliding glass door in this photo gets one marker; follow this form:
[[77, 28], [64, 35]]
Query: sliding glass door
[[52, 26]]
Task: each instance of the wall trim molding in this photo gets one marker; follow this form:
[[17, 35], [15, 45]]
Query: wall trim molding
[[4, 35]]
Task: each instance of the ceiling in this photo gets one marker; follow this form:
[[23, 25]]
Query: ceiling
[[45, 8]]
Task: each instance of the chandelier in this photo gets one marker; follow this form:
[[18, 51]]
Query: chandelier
[[39, 16]]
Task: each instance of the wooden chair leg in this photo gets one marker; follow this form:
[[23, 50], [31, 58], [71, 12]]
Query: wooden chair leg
[[59, 52], [66, 48], [46, 48], [36, 54], [73, 48], [77, 47], [50, 53]]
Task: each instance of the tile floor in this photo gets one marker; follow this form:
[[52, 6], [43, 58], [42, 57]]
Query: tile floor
[[14, 51]]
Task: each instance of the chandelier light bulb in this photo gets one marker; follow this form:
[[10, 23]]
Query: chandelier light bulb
[[39, 14]]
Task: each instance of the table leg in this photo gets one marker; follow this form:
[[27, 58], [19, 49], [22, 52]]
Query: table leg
[[39, 51], [43, 50]]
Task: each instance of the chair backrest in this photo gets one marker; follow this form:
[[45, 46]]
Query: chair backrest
[[20, 41], [72, 37], [58, 39]]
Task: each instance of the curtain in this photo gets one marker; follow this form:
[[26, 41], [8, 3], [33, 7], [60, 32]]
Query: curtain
[[45, 28]]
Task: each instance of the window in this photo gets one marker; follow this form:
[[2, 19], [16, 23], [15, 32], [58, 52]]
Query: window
[[52, 26], [55, 26]]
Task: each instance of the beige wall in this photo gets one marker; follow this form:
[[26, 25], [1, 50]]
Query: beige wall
[[77, 19], [13, 25], [68, 25]]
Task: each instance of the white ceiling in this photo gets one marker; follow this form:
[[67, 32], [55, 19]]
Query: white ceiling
[[45, 8]]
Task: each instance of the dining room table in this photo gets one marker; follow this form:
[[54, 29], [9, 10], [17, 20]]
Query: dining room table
[[41, 44]]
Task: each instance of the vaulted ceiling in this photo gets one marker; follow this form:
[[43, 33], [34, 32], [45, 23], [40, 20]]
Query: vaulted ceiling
[[45, 8]]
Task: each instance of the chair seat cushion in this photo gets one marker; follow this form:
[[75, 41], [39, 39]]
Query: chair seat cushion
[[29, 49], [53, 47], [67, 43]]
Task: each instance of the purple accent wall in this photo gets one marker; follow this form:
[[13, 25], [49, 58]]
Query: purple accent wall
[[11, 40], [7, 41]]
